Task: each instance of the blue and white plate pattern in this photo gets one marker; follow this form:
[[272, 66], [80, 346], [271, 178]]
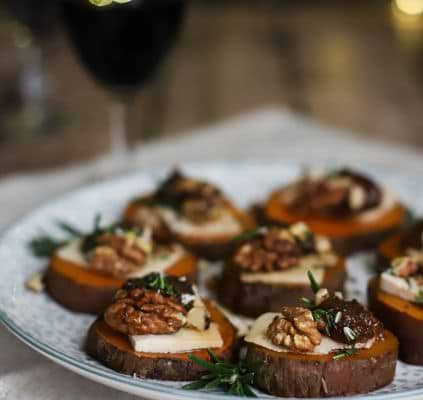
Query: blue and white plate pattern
[[59, 334]]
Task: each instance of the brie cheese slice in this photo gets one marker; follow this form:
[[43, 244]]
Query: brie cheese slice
[[185, 340], [155, 263], [257, 335], [292, 276], [398, 287], [226, 225]]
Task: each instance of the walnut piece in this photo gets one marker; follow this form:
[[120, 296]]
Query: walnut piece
[[340, 194], [117, 255], [276, 250], [196, 200], [405, 267], [142, 312], [295, 329]]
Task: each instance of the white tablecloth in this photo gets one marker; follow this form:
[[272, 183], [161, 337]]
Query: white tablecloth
[[265, 134]]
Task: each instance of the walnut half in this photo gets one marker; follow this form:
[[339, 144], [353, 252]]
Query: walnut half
[[295, 329], [142, 312]]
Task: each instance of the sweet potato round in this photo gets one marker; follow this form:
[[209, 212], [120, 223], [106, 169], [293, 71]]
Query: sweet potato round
[[404, 319], [302, 375], [213, 248], [113, 349], [82, 290], [347, 235], [255, 298]]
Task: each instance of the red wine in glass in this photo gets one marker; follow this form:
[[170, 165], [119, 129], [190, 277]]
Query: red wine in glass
[[122, 45]]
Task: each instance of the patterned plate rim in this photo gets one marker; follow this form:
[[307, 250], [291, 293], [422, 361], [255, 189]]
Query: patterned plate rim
[[80, 368]]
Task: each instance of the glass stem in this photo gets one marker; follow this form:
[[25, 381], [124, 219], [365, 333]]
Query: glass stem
[[118, 129]]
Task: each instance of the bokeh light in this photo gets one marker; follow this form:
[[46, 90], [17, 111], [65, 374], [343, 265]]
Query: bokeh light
[[410, 7]]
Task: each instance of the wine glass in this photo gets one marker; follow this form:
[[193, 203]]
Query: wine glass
[[122, 45]]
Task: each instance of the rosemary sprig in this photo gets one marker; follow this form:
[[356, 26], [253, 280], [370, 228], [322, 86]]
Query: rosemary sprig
[[45, 245], [350, 334], [330, 319], [233, 379], [315, 287], [154, 281], [341, 353]]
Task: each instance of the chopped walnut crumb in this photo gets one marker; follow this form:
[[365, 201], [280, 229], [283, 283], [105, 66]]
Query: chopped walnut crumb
[[295, 329], [35, 282], [142, 312]]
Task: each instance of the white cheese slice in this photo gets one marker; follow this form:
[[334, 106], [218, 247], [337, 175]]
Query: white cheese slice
[[258, 336], [158, 263], [185, 340], [241, 323], [226, 225], [72, 252], [398, 287], [198, 316], [155, 263], [388, 202], [292, 276]]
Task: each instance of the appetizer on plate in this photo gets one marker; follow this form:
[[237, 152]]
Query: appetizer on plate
[[396, 297], [349, 208], [154, 328], [84, 273], [193, 212], [406, 242], [333, 347], [268, 269]]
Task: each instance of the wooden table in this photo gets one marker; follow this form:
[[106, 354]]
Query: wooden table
[[355, 65]]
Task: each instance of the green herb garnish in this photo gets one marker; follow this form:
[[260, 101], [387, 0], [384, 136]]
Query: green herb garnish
[[233, 379], [249, 234], [45, 245], [154, 281], [349, 333], [315, 287], [419, 298], [330, 319], [350, 351]]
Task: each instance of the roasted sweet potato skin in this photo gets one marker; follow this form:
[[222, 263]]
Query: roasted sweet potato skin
[[113, 350], [404, 324], [76, 296], [254, 299], [347, 236], [299, 375]]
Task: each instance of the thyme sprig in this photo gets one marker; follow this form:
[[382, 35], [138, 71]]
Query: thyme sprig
[[45, 245], [233, 379]]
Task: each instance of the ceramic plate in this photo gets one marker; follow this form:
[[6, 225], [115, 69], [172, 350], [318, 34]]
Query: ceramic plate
[[59, 334]]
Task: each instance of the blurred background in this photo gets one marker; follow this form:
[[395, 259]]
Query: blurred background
[[350, 64]]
